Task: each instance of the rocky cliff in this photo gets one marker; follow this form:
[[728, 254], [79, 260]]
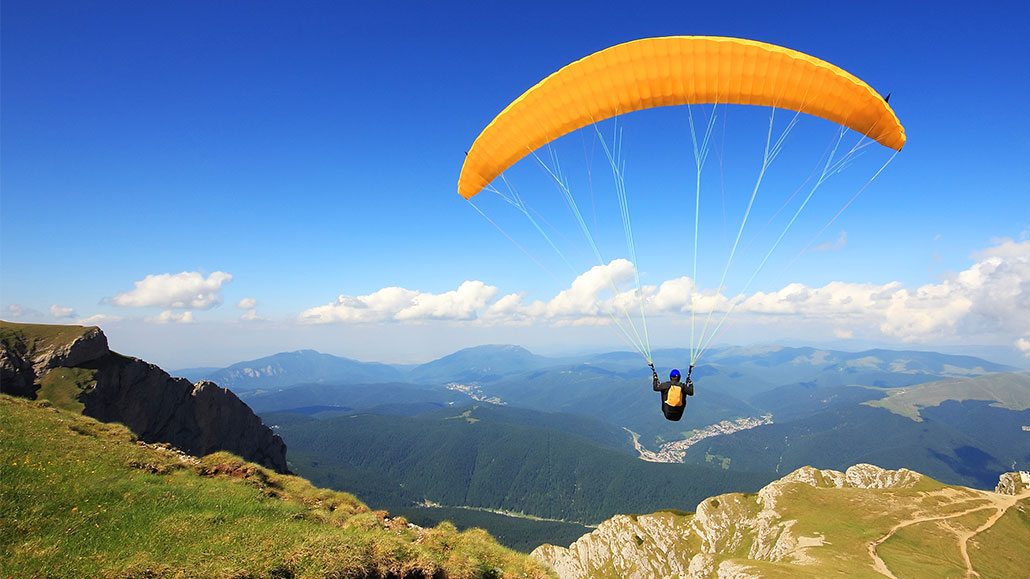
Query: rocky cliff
[[866, 521], [73, 366]]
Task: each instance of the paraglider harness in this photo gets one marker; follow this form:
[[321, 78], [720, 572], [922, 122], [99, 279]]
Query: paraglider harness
[[672, 400]]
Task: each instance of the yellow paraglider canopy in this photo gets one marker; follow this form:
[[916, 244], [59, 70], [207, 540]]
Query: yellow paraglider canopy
[[674, 70]]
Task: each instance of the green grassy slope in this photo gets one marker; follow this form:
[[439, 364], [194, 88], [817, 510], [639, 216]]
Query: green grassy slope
[[1003, 390], [81, 498], [22, 338]]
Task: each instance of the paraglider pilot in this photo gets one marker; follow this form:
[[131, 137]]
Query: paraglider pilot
[[672, 392]]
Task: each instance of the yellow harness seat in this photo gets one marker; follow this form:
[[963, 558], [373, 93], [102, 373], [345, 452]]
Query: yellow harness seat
[[675, 397]]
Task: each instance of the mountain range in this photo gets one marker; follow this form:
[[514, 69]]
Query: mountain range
[[765, 403], [529, 447], [757, 414]]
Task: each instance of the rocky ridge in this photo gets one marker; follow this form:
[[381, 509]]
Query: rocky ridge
[[197, 418], [811, 523]]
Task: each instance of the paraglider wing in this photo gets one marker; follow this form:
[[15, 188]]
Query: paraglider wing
[[674, 70]]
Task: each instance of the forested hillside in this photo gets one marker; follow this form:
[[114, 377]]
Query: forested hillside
[[968, 443], [461, 459]]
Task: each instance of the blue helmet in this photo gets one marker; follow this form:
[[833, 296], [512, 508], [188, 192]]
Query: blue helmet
[[674, 374]]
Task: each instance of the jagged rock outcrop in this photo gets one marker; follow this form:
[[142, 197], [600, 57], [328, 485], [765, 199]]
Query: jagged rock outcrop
[[197, 418], [810, 523], [1013, 483], [17, 377], [860, 476], [25, 359], [635, 547]]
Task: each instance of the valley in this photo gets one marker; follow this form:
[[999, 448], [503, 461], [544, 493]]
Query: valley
[[577, 443], [674, 451], [766, 428]]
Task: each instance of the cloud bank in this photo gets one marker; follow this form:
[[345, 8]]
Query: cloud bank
[[990, 298]]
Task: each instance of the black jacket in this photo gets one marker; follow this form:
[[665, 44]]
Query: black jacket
[[673, 412]]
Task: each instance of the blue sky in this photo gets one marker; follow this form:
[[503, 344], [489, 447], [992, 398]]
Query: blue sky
[[200, 178]]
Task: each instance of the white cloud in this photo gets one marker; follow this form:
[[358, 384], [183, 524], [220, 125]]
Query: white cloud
[[97, 319], [508, 307], [182, 290], [673, 295], [991, 298], [587, 292], [61, 312], [993, 295], [835, 299], [170, 317], [251, 316], [400, 304], [1005, 248], [1023, 345], [461, 304], [16, 311]]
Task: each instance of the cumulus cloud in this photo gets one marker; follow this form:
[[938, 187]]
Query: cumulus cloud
[[18, 312], [170, 317], [400, 304], [990, 298], [186, 290], [461, 304], [251, 315], [587, 292], [992, 295], [61, 312]]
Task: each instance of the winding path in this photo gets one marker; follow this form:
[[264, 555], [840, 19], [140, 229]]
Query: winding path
[[1001, 503]]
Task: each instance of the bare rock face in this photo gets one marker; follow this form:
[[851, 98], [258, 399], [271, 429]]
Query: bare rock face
[[196, 418], [17, 377], [91, 345], [24, 361], [634, 547], [860, 476], [668, 544], [1013, 483]]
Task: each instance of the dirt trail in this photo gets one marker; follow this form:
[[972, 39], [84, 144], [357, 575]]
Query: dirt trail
[[1001, 503]]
